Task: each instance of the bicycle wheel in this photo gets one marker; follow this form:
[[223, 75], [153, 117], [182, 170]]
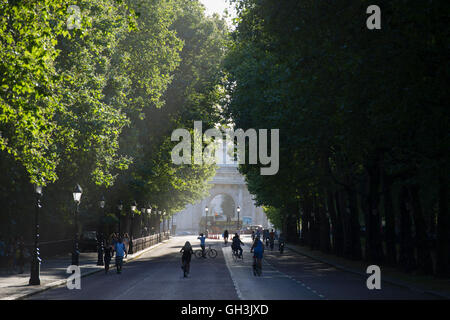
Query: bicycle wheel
[[212, 253], [259, 268], [198, 253], [233, 253]]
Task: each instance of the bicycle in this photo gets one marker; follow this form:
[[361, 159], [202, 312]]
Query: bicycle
[[236, 256], [212, 253], [257, 266]]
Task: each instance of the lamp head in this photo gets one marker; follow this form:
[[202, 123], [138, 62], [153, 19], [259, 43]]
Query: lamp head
[[77, 192]]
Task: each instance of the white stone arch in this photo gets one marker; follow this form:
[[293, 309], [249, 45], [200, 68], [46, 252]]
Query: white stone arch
[[221, 190]]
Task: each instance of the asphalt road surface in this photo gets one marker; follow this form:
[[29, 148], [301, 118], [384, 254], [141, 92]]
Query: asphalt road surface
[[157, 275]]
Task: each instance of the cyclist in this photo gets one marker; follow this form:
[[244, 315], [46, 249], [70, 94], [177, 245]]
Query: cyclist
[[186, 258], [281, 241], [236, 245], [202, 239], [225, 237], [271, 239], [258, 250]]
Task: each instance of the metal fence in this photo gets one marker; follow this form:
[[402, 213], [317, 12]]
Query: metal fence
[[49, 249], [145, 242]]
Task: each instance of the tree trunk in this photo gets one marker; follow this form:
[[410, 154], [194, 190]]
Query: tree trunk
[[424, 262], [291, 225], [406, 242], [374, 245], [324, 226], [344, 214], [391, 249], [306, 218], [443, 230], [315, 226], [336, 224], [355, 228]]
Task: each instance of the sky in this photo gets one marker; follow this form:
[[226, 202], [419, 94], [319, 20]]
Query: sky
[[217, 6]]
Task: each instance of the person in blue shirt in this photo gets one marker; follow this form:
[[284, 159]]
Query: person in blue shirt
[[119, 248], [202, 239], [258, 250]]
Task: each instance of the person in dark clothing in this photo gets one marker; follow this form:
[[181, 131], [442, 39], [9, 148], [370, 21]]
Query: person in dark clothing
[[186, 258], [225, 237], [107, 256], [236, 245]]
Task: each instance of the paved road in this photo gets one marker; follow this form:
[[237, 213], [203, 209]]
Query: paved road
[[157, 275]]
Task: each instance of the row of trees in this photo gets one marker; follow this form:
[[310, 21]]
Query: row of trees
[[364, 140], [90, 96]]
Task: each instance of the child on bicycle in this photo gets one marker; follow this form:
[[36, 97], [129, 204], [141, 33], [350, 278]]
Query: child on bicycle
[[186, 258]]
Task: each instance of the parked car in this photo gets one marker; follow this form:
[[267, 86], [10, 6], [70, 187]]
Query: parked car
[[88, 241]]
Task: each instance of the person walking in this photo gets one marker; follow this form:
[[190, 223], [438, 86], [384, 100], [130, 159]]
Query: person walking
[[186, 258], [107, 256], [126, 242], [120, 253]]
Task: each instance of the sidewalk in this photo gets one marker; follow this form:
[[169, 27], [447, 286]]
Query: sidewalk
[[53, 273], [420, 283]]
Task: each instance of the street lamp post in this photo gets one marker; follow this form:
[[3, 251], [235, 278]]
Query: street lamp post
[[149, 212], [159, 222], [133, 209], [36, 260], [238, 222], [75, 252], [141, 230], [164, 221], [100, 248], [206, 220]]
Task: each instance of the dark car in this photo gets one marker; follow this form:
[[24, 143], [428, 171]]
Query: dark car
[[88, 241]]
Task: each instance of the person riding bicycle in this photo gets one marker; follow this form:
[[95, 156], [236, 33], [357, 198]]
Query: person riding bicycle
[[236, 245], [202, 239], [271, 239], [225, 236], [281, 240], [258, 251], [265, 235], [186, 258]]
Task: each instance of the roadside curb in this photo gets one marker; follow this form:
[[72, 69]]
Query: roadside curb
[[88, 273], [385, 279]]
